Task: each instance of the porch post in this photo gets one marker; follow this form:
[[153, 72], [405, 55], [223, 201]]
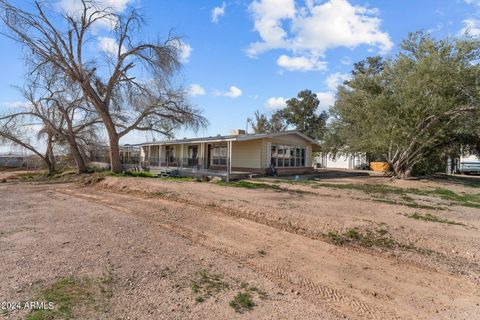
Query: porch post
[[149, 154], [203, 156], [200, 156], [182, 155], [229, 160], [160, 155]]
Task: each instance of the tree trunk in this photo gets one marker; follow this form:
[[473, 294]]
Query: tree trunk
[[49, 156], [115, 161], [51, 167], [102, 107], [78, 157], [402, 169], [404, 173]]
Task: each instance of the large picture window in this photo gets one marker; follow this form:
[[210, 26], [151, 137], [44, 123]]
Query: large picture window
[[219, 155], [287, 156]]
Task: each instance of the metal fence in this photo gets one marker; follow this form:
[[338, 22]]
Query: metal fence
[[26, 162], [128, 155], [31, 162]]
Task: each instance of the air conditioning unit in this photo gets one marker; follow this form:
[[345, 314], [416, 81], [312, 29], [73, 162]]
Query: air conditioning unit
[[237, 132]]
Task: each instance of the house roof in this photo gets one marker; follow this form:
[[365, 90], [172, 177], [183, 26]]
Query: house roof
[[241, 137]]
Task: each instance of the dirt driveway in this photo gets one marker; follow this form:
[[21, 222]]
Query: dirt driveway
[[128, 248]]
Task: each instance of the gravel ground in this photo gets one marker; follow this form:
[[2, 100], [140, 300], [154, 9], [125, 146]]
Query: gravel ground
[[154, 239]]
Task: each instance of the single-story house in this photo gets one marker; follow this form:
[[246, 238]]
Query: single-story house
[[290, 152]]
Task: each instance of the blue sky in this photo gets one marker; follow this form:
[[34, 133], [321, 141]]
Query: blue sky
[[250, 55]]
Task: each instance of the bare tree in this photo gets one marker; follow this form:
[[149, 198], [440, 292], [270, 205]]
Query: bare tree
[[16, 129], [123, 102], [60, 105]]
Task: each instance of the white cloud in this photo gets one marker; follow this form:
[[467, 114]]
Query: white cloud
[[75, 7], [300, 63], [185, 50], [268, 16], [327, 99], [234, 92], [471, 26], [275, 103], [218, 12], [109, 46], [196, 90], [477, 2], [16, 104], [311, 30], [336, 79]]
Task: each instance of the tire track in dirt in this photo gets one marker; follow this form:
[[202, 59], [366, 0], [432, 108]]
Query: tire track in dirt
[[338, 303], [332, 298], [446, 263]]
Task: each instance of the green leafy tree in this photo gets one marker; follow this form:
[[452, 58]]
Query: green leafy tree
[[277, 123], [302, 113], [262, 124], [404, 107]]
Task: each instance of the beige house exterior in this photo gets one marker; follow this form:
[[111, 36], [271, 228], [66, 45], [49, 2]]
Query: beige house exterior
[[289, 152]]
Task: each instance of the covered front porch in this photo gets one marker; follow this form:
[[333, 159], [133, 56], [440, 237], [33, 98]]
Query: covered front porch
[[192, 159]]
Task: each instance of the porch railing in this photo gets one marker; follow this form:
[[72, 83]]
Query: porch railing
[[190, 163]]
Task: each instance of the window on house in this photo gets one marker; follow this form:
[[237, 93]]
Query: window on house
[[219, 155], [287, 156]]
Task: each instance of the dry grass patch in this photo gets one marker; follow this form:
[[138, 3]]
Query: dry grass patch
[[379, 238], [403, 196], [74, 297], [432, 218], [242, 302], [206, 285]]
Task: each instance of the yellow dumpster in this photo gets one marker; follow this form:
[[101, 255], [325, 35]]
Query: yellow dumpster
[[380, 166]]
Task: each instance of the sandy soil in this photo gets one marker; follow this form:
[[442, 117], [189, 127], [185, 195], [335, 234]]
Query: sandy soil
[[274, 240]]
